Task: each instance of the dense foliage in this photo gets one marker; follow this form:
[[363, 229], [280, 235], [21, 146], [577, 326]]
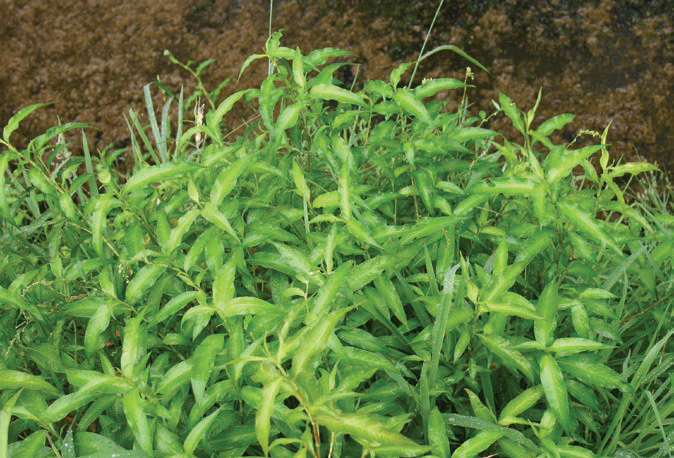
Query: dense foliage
[[355, 273]]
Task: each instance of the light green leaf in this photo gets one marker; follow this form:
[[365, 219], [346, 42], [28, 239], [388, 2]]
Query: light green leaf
[[332, 92], [263, 415], [555, 391], [203, 360], [156, 173], [511, 358], [199, 431], [137, 420], [411, 105]]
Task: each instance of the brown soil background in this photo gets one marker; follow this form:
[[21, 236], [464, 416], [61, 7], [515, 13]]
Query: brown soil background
[[602, 60]]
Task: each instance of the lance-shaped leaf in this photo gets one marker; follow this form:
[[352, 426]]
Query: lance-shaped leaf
[[15, 120], [411, 105], [203, 360], [226, 180], [513, 304], [104, 203], [318, 334], [510, 357], [141, 283], [520, 403], [590, 371], [328, 292], [137, 420], [134, 346], [431, 87], [157, 173], [560, 162], [567, 345], [199, 431], [371, 432], [584, 222], [14, 301], [478, 443], [16, 380], [263, 415], [332, 92], [555, 391]]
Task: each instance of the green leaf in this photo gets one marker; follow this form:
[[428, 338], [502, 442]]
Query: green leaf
[[547, 309], [360, 232], [510, 186], [318, 334], [226, 180], [15, 120], [140, 284], [199, 431], [178, 232], [480, 410], [133, 347], [96, 387], [319, 57], [97, 325], [288, 118], [555, 391], [437, 434], [250, 305], [587, 224], [632, 168], [137, 420], [511, 111], [174, 379], [365, 272], [576, 345], [411, 105], [223, 285], [514, 305], [173, 306], [590, 371], [371, 432], [156, 173], [478, 443], [300, 182], [465, 134], [5, 417], [203, 360], [560, 162], [548, 126], [332, 92], [103, 204], [227, 104], [510, 357], [439, 331], [328, 292], [30, 447], [397, 73], [215, 216], [520, 403], [17, 380], [431, 87], [263, 415], [17, 302], [345, 191], [387, 290]]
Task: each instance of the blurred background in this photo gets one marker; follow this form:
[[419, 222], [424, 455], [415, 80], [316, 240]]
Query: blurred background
[[600, 59]]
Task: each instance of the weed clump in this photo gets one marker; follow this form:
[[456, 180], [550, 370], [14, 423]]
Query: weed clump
[[351, 273]]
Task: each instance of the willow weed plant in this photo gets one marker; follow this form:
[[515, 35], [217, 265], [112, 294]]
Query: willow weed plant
[[355, 273]]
